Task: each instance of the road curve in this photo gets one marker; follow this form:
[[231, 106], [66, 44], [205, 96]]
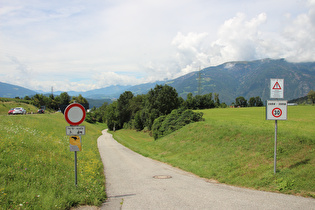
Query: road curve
[[136, 182]]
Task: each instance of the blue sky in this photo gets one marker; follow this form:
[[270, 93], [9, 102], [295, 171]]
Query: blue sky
[[82, 45]]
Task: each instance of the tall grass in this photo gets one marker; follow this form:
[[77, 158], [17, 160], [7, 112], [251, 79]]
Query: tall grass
[[236, 146], [37, 167]]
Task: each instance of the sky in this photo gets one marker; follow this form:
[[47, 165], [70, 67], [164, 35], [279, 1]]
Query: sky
[[80, 45]]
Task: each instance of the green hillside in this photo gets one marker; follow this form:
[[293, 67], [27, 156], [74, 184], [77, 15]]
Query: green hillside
[[230, 80], [12, 91], [249, 79], [7, 104], [243, 78], [236, 146], [37, 167]]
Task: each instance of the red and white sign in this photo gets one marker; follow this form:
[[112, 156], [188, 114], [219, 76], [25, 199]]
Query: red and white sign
[[276, 88], [75, 114], [276, 110]]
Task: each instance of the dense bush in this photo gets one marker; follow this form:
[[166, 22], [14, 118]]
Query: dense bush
[[178, 118]]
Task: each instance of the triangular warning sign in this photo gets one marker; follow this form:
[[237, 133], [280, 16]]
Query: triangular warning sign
[[276, 86]]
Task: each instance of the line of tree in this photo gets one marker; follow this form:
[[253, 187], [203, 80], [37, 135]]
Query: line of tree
[[55, 102], [139, 112], [311, 96], [253, 101]]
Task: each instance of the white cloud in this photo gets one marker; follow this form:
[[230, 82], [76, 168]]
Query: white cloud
[[111, 78], [299, 36], [79, 45], [239, 39]]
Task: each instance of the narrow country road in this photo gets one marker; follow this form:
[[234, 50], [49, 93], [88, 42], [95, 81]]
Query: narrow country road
[[136, 182]]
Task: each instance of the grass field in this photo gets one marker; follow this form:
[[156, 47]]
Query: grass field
[[37, 167], [236, 146]]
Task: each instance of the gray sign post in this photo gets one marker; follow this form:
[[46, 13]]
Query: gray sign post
[[276, 110], [75, 114]]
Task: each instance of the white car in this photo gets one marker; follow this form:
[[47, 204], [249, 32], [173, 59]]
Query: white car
[[19, 110]]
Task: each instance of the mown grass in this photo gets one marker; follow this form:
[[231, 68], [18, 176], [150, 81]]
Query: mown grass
[[37, 167], [236, 146]]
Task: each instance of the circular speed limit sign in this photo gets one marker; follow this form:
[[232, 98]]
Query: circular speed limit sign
[[276, 112]]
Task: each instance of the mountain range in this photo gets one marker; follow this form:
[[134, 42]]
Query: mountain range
[[229, 80]]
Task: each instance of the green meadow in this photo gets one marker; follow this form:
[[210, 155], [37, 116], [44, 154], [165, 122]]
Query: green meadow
[[236, 147], [37, 167]]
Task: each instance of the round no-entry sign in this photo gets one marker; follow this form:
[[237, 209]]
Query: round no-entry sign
[[75, 114]]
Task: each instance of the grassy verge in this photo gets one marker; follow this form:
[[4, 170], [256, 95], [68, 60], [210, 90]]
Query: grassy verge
[[236, 146], [37, 167]]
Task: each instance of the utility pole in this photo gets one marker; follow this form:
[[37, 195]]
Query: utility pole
[[199, 82]]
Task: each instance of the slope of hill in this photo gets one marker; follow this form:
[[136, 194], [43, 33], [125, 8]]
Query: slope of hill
[[249, 79], [229, 80], [107, 92], [12, 91]]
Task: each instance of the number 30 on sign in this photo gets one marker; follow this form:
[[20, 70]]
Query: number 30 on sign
[[276, 110]]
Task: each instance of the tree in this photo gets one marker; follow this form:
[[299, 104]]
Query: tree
[[138, 122], [163, 98], [64, 98], [240, 101], [160, 101], [123, 108], [216, 100], [79, 99], [201, 101], [136, 104], [189, 103], [207, 102], [98, 114], [311, 96], [259, 101], [252, 102], [112, 116], [39, 100], [255, 101], [27, 98]]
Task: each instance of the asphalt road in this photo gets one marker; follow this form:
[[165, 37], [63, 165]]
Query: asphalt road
[[136, 182]]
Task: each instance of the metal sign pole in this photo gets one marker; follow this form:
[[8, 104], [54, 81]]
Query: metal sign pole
[[75, 115], [75, 169], [275, 152]]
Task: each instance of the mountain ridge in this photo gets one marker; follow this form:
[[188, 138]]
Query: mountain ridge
[[229, 80]]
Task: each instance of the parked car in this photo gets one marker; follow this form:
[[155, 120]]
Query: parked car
[[19, 110], [10, 111], [41, 111]]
